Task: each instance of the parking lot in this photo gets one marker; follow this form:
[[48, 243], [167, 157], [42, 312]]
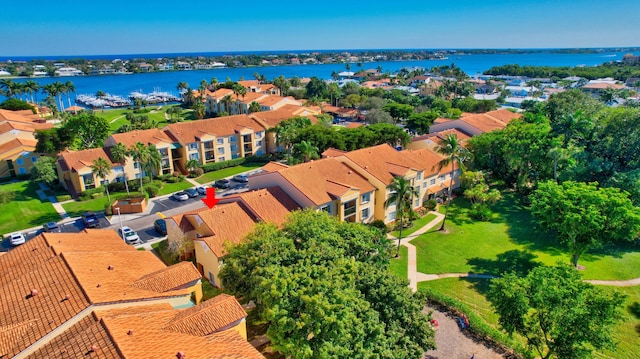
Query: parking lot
[[143, 223]]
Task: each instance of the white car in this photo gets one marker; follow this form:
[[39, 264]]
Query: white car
[[181, 196], [129, 235], [17, 238]]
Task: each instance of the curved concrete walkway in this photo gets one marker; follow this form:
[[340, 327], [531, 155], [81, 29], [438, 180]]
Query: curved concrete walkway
[[415, 277]]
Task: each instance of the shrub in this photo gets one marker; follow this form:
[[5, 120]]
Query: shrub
[[97, 195], [430, 204], [198, 172], [480, 212], [7, 196], [152, 190], [63, 197], [378, 223], [181, 178], [173, 179], [23, 177], [116, 186], [176, 174]]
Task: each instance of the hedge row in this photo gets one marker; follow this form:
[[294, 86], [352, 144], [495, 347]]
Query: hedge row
[[215, 166], [478, 327]]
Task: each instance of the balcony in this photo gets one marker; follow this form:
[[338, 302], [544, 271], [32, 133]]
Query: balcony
[[349, 209]]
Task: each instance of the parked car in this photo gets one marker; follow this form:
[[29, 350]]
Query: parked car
[[191, 192], [222, 183], [51, 227], [160, 226], [202, 191], [17, 239], [241, 178], [129, 235], [90, 220], [181, 196]]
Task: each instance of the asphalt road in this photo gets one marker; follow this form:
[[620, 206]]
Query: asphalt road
[[143, 224]]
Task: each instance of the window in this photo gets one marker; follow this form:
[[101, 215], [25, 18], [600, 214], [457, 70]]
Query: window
[[220, 159], [212, 279], [364, 213], [419, 177], [232, 139], [20, 161], [234, 156], [34, 159], [220, 141], [234, 148], [194, 156], [136, 165], [443, 177], [366, 198], [193, 146], [259, 134], [424, 185], [326, 208], [259, 143], [432, 182], [221, 150], [22, 171], [392, 215]]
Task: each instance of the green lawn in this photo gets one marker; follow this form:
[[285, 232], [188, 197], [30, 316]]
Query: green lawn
[[398, 266], [77, 208], [472, 293], [512, 241], [26, 210], [417, 224], [116, 117], [226, 172]]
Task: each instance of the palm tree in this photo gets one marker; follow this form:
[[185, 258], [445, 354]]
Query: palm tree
[[102, 168], [69, 87], [139, 153], [402, 195], [153, 160], [53, 89], [32, 87], [9, 86], [119, 152], [305, 150], [192, 165], [182, 86], [60, 89], [454, 154], [227, 103], [214, 83]]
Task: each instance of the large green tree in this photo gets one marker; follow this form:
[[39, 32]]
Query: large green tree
[[87, 129], [324, 288], [44, 170], [559, 315], [584, 216], [398, 111], [421, 122], [287, 130]]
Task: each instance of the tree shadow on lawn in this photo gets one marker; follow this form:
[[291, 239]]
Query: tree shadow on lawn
[[616, 250], [458, 212], [517, 261], [523, 229]]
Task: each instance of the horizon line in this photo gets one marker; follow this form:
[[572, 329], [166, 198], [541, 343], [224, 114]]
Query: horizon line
[[327, 50]]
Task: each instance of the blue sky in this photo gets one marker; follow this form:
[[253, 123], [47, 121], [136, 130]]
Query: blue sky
[[65, 27]]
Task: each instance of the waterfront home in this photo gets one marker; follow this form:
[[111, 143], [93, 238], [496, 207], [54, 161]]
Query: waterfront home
[[68, 71], [89, 294], [596, 88], [18, 142]]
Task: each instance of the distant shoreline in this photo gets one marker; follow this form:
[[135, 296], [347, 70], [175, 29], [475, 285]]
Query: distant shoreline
[[460, 51]]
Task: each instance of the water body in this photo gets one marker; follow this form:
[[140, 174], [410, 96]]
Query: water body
[[473, 65]]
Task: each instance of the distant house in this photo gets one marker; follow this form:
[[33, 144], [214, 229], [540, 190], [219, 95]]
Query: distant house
[[474, 124], [595, 88], [18, 142]]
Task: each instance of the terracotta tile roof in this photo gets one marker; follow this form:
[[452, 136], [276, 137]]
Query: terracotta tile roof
[[602, 86], [484, 122], [383, 162], [26, 318], [274, 117], [24, 118], [271, 100], [503, 115], [189, 132], [266, 87], [270, 204], [78, 160], [146, 137], [426, 158], [273, 167], [169, 278], [227, 222], [104, 285], [250, 83], [96, 240], [208, 317], [332, 152], [78, 341], [251, 96], [13, 149], [354, 125], [142, 335], [221, 92], [314, 179]]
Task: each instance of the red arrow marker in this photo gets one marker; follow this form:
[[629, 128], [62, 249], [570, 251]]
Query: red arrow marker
[[211, 199]]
